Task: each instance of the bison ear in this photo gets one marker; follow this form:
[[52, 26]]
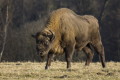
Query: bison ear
[[36, 34], [33, 35]]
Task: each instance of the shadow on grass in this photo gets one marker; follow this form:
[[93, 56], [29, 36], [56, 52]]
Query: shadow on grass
[[65, 70]]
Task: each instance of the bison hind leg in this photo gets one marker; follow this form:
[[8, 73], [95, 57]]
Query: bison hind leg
[[89, 53], [100, 50]]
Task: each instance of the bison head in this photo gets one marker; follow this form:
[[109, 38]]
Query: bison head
[[43, 41]]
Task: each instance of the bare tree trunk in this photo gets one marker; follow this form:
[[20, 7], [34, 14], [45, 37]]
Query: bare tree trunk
[[5, 30], [102, 11]]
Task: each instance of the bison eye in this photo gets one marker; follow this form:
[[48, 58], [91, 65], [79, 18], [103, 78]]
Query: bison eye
[[38, 41], [46, 43]]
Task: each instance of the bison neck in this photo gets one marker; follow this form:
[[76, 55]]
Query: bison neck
[[55, 45]]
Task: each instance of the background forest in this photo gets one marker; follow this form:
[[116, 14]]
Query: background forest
[[26, 17]]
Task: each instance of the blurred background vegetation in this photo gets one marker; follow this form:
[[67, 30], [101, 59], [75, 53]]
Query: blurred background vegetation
[[27, 17]]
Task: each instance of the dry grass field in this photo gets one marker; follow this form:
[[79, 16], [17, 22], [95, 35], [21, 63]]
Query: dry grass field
[[58, 71]]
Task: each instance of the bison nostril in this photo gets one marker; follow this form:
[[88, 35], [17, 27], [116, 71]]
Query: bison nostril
[[40, 51], [37, 48]]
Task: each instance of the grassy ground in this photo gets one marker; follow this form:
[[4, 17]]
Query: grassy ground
[[58, 71]]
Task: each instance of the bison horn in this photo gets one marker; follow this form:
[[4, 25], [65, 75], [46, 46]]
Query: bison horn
[[52, 36]]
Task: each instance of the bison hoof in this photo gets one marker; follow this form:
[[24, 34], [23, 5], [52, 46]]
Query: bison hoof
[[69, 69], [86, 64], [47, 67], [104, 66]]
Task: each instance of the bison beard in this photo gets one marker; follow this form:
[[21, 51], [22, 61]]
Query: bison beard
[[65, 32]]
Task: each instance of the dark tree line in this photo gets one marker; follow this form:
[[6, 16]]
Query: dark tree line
[[29, 16]]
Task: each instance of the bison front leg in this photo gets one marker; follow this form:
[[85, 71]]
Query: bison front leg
[[69, 50], [49, 59]]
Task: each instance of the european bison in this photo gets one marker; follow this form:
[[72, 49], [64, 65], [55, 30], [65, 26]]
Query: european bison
[[65, 32]]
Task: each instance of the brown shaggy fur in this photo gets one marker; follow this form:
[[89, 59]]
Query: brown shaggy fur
[[72, 32], [66, 25]]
